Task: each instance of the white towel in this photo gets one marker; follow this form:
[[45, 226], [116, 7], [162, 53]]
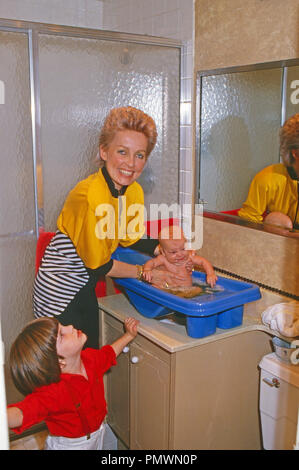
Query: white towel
[[283, 317]]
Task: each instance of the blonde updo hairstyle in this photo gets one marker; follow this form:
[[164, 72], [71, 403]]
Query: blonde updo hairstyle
[[289, 139], [128, 118]]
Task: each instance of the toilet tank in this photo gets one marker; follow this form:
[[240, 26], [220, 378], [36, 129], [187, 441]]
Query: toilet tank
[[279, 401]]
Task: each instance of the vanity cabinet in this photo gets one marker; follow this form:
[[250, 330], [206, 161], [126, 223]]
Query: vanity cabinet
[[170, 391], [149, 398], [138, 391], [117, 384]]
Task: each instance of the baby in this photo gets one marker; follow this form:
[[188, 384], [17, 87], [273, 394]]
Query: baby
[[175, 258], [279, 219]]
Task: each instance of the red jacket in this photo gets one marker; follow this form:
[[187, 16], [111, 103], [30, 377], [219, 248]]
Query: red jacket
[[74, 406]]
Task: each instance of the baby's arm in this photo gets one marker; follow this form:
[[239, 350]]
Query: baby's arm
[[14, 417], [150, 265], [206, 265], [147, 270], [131, 332]]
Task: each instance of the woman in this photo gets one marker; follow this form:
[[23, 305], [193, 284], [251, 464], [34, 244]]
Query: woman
[[98, 214], [275, 189]]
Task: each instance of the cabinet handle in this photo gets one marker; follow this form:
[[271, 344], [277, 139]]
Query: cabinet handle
[[273, 383], [126, 349], [134, 360]]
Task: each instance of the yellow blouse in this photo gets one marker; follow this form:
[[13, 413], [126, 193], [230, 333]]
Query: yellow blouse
[[97, 222], [272, 189]]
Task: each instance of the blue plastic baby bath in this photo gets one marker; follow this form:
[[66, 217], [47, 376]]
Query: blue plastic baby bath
[[219, 308]]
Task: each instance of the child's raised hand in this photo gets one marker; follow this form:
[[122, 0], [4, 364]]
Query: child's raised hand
[[131, 326]]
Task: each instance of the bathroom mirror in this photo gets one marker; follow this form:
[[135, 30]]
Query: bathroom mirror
[[239, 113]]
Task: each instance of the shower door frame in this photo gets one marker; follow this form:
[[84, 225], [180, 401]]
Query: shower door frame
[[33, 30]]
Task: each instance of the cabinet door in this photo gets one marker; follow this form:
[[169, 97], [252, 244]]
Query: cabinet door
[[149, 400], [117, 389]]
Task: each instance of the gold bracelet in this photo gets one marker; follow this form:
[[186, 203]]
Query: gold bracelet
[[139, 272]]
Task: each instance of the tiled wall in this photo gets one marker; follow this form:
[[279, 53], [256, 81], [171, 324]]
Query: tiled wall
[[84, 13], [171, 19], [167, 18]]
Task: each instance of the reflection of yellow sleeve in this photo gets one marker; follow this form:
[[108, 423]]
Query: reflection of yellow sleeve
[[271, 190], [256, 202], [82, 220]]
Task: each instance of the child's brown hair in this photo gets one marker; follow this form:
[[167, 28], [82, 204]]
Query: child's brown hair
[[33, 355]]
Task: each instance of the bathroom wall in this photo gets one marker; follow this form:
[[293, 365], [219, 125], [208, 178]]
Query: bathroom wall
[[171, 19], [234, 32], [255, 255], [84, 13]]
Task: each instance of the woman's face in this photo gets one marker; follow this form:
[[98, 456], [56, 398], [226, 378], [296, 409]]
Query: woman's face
[[125, 157]]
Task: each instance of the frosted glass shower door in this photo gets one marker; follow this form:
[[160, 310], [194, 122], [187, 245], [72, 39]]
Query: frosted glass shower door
[[240, 120], [17, 207], [16, 163], [80, 81]]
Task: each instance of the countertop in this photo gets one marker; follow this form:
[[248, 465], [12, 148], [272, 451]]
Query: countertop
[[172, 335]]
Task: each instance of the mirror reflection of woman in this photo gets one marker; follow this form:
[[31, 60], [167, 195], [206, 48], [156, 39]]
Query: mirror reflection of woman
[[80, 252], [274, 191]]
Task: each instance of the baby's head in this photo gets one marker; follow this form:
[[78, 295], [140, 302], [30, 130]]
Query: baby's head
[[33, 356], [279, 219], [172, 244]]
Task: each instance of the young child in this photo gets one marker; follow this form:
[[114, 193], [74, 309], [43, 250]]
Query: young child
[[176, 259], [63, 384]]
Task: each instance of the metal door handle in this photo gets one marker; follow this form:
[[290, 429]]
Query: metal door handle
[[273, 383]]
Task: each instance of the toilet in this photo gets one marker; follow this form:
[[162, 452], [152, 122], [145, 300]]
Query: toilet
[[279, 402]]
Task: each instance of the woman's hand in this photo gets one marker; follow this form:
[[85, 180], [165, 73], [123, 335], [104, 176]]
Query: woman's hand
[[165, 279]]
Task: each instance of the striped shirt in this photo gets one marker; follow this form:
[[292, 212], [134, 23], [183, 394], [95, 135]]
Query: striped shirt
[[61, 276]]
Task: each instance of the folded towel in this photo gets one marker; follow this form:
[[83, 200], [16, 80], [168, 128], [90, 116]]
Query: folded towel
[[283, 318]]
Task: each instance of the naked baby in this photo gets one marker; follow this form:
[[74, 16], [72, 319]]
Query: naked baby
[[175, 258]]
